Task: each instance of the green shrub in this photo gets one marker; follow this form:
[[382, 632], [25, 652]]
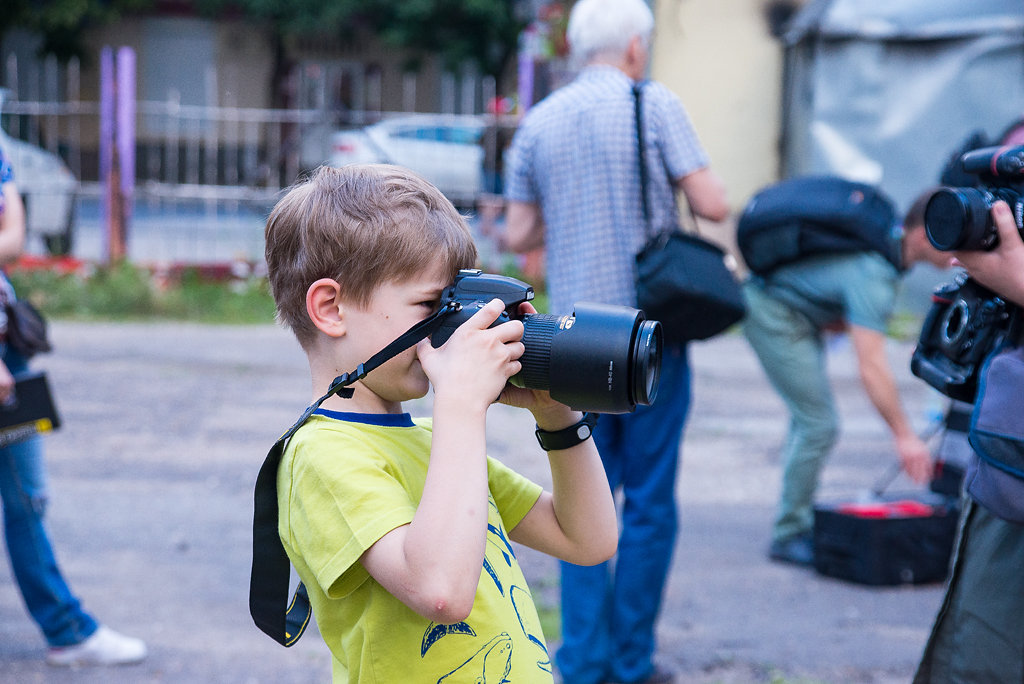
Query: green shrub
[[127, 292]]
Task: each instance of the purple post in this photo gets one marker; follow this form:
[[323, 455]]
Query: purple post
[[106, 141], [125, 137], [525, 80]]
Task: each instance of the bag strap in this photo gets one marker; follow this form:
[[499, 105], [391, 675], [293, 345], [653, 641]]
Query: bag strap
[[280, 619], [642, 155]]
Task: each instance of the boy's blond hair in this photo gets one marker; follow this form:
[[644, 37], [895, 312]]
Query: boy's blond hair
[[362, 225]]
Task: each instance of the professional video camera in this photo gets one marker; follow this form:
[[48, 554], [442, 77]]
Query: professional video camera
[[601, 358], [968, 321]]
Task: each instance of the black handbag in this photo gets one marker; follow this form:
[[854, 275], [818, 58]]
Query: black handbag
[[683, 280], [26, 328]]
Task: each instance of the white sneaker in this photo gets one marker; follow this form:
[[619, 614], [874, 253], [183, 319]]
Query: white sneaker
[[104, 647]]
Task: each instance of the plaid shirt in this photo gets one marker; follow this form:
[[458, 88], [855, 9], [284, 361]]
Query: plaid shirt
[[575, 156]]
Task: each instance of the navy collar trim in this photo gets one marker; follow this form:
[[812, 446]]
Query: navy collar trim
[[381, 419]]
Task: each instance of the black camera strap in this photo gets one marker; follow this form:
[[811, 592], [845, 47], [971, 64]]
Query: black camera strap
[[659, 237], [285, 622]]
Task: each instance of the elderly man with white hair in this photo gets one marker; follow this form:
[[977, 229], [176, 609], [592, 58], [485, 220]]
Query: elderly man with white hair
[[573, 186]]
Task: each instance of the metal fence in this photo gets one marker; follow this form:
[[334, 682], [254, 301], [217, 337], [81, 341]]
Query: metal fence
[[209, 161]]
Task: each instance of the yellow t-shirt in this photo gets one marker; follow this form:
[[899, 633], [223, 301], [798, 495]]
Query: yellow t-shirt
[[345, 481]]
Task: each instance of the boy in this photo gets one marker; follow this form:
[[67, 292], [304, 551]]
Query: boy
[[398, 528]]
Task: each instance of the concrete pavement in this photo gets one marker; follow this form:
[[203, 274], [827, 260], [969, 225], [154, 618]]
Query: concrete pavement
[[165, 426]]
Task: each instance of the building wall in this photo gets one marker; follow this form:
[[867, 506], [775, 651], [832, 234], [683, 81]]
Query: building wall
[[719, 56]]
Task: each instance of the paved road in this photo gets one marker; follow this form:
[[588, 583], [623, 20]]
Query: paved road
[[165, 427]]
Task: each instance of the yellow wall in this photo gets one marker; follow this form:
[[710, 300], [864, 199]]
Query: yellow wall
[[722, 61]]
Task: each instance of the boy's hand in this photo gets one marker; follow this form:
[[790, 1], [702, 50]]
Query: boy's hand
[[549, 414], [476, 362]]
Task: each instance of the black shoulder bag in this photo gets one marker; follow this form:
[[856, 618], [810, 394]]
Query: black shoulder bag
[[683, 280]]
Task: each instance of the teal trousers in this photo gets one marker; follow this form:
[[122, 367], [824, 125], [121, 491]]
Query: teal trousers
[[792, 353]]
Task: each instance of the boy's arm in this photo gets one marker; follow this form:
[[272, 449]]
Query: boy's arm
[[576, 521], [433, 564]]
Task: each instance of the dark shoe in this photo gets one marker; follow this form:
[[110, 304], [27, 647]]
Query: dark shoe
[[798, 550], [658, 676]]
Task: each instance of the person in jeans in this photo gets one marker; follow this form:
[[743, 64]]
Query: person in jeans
[[74, 637], [573, 186]]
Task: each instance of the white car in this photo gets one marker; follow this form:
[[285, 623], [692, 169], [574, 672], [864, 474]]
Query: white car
[[444, 149], [48, 189]]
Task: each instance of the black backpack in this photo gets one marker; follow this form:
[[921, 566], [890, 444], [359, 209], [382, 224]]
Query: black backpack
[[811, 215]]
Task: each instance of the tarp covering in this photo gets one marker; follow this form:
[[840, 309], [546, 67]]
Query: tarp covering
[[906, 19], [885, 92]]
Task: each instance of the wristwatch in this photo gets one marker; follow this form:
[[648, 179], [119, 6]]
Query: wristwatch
[[567, 437]]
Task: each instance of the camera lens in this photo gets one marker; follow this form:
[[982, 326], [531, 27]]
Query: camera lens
[[647, 362], [958, 218], [605, 359]]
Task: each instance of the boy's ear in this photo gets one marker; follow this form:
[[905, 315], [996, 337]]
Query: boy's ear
[[324, 307]]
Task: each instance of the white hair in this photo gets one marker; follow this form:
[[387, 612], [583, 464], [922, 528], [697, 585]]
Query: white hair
[[605, 27]]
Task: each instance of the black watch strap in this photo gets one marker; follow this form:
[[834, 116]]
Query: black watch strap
[[568, 437]]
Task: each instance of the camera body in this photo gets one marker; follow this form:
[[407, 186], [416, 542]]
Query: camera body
[[966, 323], [960, 218], [472, 290], [600, 358]]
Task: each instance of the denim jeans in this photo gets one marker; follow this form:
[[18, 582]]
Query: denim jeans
[[609, 610], [23, 488], [792, 353]]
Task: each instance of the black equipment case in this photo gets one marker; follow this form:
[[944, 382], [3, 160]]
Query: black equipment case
[[905, 540]]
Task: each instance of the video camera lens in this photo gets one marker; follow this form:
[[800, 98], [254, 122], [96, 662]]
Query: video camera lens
[[605, 359], [960, 218]]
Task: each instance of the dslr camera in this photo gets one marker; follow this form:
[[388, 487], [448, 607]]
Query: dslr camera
[[967, 321], [600, 358]]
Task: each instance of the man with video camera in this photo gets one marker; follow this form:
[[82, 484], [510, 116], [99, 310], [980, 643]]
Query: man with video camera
[[978, 636]]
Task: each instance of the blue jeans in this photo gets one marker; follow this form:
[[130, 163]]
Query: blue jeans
[[609, 610], [23, 488], [792, 353]]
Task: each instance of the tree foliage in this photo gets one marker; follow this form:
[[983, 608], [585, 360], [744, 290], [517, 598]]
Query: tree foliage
[[481, 31], [61, 23]]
